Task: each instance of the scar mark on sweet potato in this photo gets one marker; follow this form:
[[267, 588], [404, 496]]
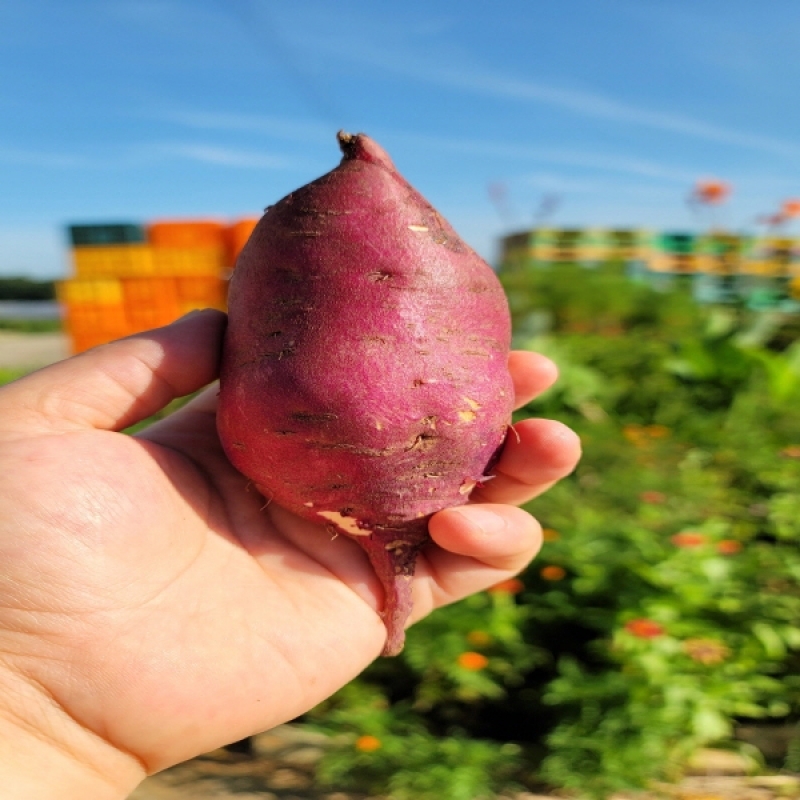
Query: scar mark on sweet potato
[[314, 416], [278, 354], [423, 441], [359, 450]]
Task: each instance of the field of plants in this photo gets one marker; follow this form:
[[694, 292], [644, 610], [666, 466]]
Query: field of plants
[[663, 614]]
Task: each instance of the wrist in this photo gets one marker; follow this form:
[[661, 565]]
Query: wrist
[[47, 755]]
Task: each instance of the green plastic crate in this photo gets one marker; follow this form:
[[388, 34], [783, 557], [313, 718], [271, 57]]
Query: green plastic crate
[[106, 233]]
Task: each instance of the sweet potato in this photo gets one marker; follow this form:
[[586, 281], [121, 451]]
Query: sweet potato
[[364, 379]]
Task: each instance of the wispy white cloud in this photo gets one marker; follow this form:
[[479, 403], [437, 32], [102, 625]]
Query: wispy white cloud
[[301, 130], [141, 154], [37, 158], [591, 104], [553, 155], [225, 156], [599, 106], [276, 127]]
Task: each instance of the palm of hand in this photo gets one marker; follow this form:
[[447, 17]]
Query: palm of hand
[[156, 571]]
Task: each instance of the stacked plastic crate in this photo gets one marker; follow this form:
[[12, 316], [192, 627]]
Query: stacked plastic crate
[[674, 253], [128, 278]]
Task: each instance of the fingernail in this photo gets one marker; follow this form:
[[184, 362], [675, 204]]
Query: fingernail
[[486, 521]]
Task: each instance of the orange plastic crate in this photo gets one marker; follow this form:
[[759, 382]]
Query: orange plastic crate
[[150, 302], [91, 324], [202, 292], [238, 234], [186, 233]]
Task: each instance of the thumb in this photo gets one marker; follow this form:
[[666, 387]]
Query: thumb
[[115, 385]]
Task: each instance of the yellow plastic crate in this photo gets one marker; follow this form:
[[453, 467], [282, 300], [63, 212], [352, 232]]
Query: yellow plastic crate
[[727, 264], [762, 267], [101, 291], [680, 263], [113, 261], [189, 261]]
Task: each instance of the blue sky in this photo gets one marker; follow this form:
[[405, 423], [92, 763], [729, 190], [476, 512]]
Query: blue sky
[[603, 113]]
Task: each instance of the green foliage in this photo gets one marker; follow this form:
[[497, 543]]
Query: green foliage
[[31, 325], [19, 288], [382, 748], [8, 374]]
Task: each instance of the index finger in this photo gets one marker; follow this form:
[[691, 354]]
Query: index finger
[[117, 384], [532, 374]]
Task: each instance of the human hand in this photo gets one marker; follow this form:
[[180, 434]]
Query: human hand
[[153, 607]]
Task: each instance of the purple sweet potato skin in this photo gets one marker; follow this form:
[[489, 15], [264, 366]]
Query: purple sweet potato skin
[[364, 375]]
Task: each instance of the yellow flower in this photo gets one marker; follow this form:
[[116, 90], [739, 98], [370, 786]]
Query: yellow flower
[[706, 651], [368, 744]]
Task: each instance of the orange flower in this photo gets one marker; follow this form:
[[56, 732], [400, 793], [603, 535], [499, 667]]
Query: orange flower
[[688, 539], [474, 662], [509, 586], [653, 498], [792, 451], [729, 547], [479, 638], [657, 431], [368, 744], [706, 651], [549, 535], [644, 628], [553, 573], [633, 433], [711, 191]]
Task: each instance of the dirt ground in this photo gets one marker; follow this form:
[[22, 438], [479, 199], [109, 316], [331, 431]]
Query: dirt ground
[[23, 350], [282, 764]]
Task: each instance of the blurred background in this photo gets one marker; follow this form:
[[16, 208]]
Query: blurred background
[[632, 170]]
